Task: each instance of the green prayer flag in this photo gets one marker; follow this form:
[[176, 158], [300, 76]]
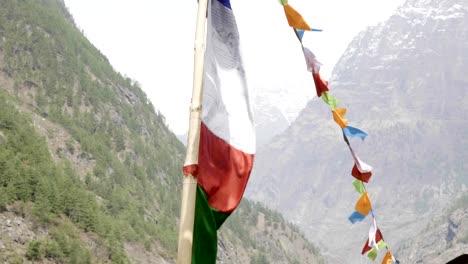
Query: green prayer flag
[[381, 244], [330, 100], [284, 2], [359, 186], [372, 254]]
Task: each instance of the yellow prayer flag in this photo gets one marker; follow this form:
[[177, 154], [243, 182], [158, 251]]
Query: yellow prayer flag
[[295, 20], [388, 258], [363, 205], [338, 116]]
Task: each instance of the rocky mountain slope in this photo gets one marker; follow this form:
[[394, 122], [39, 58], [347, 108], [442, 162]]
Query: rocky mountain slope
[[404, 82], [89, 171]]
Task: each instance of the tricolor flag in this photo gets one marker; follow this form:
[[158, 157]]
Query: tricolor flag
[[227, 136]]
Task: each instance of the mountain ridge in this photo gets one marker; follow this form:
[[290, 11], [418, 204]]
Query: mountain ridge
[[403, 82]]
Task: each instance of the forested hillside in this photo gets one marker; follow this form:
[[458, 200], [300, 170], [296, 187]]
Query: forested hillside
[[89, 171]]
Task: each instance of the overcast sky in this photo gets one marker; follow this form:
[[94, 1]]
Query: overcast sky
[[152, 42]]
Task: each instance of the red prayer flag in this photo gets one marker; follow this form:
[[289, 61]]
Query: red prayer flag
[[320, 84], [378, 237], [364, 177]]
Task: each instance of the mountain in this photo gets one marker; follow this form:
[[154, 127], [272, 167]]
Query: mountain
[[89, 171], [269, 119], [404, 82]]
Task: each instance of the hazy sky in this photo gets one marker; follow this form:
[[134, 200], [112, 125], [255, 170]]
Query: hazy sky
[[152, 42]]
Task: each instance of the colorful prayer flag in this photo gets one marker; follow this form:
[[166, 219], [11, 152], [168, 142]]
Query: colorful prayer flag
[[330, 100], [372, 255], [338, 116], [365, 177], [354, 132], [320, 84], [313, 65], [299, 34], [363, 205], [227, 136], [356, 217], [387, 258], [377, 238], [361, 166], [359, 187], [361, 171], [295, 20]]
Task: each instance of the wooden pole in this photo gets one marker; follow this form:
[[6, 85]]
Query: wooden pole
[[187, 210]]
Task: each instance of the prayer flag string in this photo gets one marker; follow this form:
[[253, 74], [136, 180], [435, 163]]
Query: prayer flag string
[[361, 171]]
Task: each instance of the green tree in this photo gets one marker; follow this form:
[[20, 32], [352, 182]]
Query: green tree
[[3, 199], [52, 250]]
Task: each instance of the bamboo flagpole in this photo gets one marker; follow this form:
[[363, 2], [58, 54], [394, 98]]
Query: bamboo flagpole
[[187, 210]]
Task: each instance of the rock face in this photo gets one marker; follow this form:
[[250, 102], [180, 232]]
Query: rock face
[[441, 241], [404, 82], [269, 121], [15, 233]]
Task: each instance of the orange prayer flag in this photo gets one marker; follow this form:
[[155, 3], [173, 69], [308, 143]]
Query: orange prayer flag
[[295, 20], [338, 116], [388, 258], [363, 205]]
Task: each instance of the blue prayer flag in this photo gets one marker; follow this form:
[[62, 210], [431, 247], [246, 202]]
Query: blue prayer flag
[[356, 217]]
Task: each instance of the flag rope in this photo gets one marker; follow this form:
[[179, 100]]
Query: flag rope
[[361, 171]]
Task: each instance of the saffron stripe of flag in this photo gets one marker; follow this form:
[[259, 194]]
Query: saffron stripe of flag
[[227, 137]]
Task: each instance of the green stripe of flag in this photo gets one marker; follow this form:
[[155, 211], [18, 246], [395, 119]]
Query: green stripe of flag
[[207, 222]]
